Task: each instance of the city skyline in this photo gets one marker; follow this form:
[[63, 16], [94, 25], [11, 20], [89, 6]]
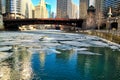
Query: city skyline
[[53, 3]]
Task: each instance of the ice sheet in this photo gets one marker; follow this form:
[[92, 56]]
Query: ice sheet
[[5, 48], [88, 53], [53, 39]]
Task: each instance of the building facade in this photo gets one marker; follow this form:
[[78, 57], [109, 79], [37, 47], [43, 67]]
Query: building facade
[[41, 10], [52, 15], [0, 6], [18, 9], [98, 5], [84, 4], [48, 6], [75, 11], [1, 17], [64, 9], [114, 5]]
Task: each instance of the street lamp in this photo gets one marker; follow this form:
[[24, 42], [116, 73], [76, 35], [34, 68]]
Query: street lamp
[[109, 16], [110, 12]]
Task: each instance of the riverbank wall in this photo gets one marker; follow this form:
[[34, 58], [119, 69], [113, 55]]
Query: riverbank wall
[[113, 36]]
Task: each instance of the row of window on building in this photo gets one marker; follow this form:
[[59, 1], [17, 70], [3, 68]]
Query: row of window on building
[[25, 9], [65, 8], [101, 6]]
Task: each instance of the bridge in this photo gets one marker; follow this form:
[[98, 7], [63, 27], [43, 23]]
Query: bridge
[[14, 24]]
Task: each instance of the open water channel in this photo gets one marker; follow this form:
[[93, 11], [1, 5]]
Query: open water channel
[[56, 55]]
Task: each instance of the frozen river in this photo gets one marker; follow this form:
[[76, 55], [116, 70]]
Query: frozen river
[[56, 55]]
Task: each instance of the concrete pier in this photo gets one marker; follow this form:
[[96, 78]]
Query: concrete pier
[[1, 23]]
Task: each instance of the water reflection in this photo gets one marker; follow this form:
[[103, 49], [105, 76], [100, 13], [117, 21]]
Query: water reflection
[[65, 55], [105, 67], [62, 56], [17, 67], [42, 56]]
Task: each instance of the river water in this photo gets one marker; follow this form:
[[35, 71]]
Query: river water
[[56, 55]]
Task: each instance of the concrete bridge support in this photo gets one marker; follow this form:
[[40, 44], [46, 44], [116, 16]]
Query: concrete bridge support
[[11, 27], [118, 24], [1, 23]]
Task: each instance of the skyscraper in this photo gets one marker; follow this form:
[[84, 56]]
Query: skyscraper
[[48, 6], [18, 9], [41, 10], [83, 8], [0, 6], [12, 8], [64, 9], [98, 5], [52, 15], [114, 5], [1, 17], [75, 11]]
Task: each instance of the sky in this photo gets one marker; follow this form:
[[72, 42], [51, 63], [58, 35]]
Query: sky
[[53, 3]]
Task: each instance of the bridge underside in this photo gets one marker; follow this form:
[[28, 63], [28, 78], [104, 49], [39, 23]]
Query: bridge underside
[[14, 24]]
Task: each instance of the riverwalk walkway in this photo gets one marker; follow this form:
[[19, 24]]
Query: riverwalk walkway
[[111, 35]]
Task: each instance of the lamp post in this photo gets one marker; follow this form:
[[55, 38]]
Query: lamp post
[[110, 12], [109, 16]]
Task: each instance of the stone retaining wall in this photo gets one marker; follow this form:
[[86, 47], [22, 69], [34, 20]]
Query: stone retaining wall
[[106, 35]]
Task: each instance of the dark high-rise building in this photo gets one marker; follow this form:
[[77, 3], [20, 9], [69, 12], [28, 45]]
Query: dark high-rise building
[[0, 6], [64, 9], [114, 5]]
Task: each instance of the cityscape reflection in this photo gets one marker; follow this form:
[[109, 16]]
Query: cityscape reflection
[[60, 56]]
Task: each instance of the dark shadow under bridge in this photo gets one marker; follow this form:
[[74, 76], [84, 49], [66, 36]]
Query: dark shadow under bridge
[[14, 24]]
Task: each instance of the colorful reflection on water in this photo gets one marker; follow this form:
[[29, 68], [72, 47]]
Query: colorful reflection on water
[[57, 58]]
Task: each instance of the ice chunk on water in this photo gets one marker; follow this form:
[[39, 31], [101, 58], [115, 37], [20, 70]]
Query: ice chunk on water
[[10, 43], [50, 44], [81, 49], [99, 43], [64, 47], [5, 48], [114, 47], [88, 53], [46, 38], [54, 51], [51, 51], [76, 44], [4, 55]]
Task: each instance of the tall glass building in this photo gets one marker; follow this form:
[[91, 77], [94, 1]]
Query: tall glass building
[[18, 9], [13, 6], [114, 5], [48, 6]]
